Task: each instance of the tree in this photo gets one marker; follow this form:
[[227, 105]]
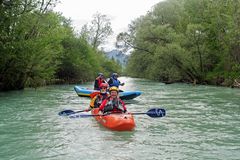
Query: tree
[[29, 42], [98, 31], [191, 40]]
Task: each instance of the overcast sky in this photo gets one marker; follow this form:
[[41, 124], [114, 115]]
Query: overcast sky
[[120, 12]]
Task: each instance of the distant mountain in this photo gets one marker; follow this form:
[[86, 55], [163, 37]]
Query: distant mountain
[[118, 56]]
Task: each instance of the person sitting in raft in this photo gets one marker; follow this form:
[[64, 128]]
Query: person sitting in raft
[[98, 99], [113, 81], [113, 103], [98, 81]]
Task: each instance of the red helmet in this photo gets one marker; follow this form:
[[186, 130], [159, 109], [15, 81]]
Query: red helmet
[[103, 85]]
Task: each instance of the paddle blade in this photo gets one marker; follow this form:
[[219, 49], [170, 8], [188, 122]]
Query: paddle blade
[[66, 113], [156, 112]]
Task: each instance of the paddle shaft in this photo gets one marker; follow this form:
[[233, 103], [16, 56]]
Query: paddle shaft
[[154, 113], [150, 114], [81, 111], [69, 112], [138, 113]]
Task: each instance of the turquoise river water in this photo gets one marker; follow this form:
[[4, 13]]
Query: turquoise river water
[[202, 122]]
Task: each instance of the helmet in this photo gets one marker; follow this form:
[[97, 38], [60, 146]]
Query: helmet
[[114, 74], [113, 89], [103, 85], [100, 74]]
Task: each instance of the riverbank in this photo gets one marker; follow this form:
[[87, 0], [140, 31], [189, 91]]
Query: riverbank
[[217, 82]]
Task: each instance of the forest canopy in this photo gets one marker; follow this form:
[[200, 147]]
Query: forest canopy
[[186, 41], [39, 46]]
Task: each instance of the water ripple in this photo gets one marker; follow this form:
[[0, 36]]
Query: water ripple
[[202, 122]]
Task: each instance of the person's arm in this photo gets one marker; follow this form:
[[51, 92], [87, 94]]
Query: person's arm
[[123, 105], [121, 83], [105, 81], [103, 105], [99, 77]]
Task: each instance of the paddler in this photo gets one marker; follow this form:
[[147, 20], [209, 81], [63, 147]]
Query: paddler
[[98, 99], [113, 103], [98, 81]]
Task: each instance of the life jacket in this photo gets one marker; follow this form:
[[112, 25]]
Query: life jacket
[[115, 82], [113, 105], [98, 101]]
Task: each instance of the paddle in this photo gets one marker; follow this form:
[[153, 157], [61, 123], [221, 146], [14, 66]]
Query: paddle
[[69, 112], [154, 113]]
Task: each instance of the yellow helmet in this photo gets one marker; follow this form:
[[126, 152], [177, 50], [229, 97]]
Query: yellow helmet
[[113, 89]]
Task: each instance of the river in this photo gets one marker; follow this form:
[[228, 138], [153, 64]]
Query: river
[[202, 122]]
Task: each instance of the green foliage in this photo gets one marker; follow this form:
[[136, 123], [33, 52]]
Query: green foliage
[[31, 50], [186, 40], [79, 61], [38, 46], [135, 68], [109, 66]]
